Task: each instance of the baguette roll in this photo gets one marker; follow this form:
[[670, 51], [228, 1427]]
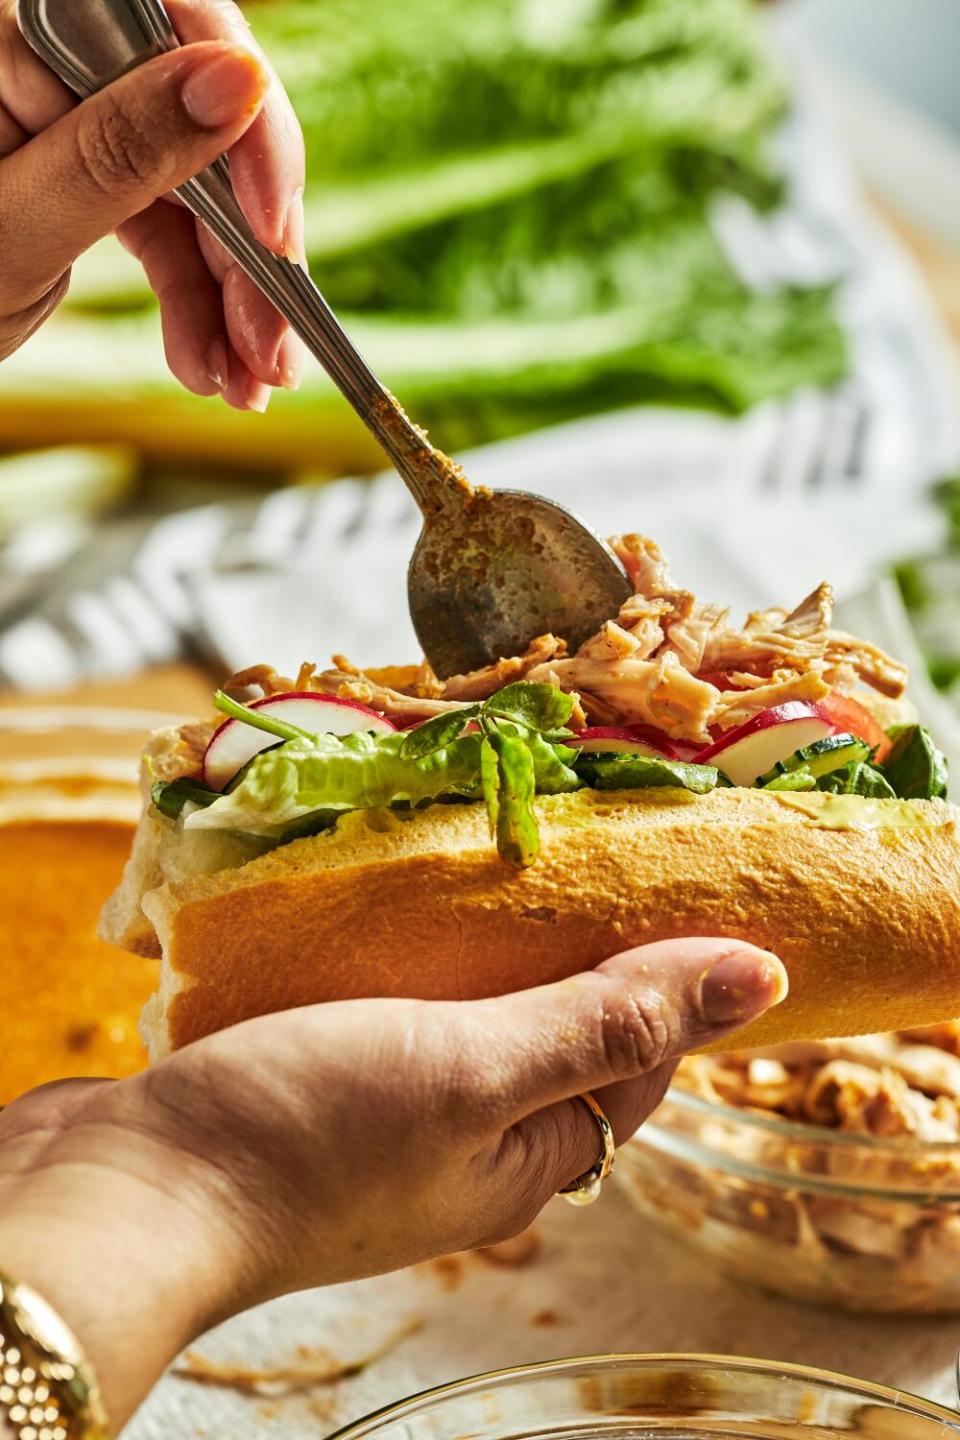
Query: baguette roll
[[860, 898]]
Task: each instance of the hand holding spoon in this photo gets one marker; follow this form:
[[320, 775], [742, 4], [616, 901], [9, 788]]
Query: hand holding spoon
[[492, 569]]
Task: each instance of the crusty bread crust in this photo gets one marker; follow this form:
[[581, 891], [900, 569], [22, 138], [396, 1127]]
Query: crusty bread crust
[[867, 921], [122, 921]]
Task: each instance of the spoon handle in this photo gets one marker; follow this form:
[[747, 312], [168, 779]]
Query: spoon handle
[[90, 43]]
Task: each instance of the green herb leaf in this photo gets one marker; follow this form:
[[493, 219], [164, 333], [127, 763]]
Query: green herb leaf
[[857, 778], [518, 838], [257, 719], [172, 797], [540, 707], [642, 772], [915, 768], [437, 734], [490, 782]]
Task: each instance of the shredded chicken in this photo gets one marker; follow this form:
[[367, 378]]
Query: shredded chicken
[[266, 679], [644, 563], [796, 640], [168, 762], [357, 686], [735, 708], [425, 685], [637, 631], [864, 1217], [690, 636], [481, 684], [880, 1085], [649, 692], [655, 663], [346, 681], [869, 661]]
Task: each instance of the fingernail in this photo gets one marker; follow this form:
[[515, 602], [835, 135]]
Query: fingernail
[[258, 397], [742, 985], [223, 89], [294, 231], [290, 363], [218, 366]]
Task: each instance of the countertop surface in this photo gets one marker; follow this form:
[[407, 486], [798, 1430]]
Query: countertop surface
[[592, 1281]]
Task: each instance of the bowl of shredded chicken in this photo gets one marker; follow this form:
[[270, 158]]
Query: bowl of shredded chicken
[[827, 1171]]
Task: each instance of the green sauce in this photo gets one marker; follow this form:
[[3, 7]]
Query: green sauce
[[859, 812]]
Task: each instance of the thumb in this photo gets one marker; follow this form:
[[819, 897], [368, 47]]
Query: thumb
[[620, 1021], [112, 156]]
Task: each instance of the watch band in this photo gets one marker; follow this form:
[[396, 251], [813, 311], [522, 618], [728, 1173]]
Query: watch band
[[48, 1390]]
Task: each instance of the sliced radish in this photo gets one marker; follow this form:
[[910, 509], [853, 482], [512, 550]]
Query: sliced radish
[[236, 743], [406, 721], [625, 740], [749, 751]]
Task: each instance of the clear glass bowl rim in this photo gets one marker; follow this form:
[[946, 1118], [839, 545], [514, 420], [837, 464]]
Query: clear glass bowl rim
[[802, 1130], [658, 1135], [868, 1390]]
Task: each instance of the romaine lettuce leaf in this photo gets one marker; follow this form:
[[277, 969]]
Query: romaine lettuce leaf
[[305, 783], [331, 774]]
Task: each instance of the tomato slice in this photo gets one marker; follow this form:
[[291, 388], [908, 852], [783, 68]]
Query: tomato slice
[[850, 715]]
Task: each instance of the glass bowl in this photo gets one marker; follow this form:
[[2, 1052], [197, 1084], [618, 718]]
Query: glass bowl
[[69, 802], [680, 1395], [853, 1221]]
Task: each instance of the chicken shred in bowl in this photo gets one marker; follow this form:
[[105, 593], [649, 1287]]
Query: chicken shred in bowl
[[827, 1171]]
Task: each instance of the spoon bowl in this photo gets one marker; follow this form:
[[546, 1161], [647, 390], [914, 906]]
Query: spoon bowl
[[499, 569]]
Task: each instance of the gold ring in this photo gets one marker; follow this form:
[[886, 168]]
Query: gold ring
[[586, 1188]]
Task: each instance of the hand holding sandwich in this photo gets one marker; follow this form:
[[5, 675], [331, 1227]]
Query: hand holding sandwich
[[332, 1142]]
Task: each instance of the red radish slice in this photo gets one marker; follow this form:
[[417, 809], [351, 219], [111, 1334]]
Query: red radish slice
[[236, 743], [749, 751], [406, 721], [625, 740]]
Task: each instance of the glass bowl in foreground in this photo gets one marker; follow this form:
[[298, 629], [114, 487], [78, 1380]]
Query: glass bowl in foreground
[[856, 1221], [638, 1395]]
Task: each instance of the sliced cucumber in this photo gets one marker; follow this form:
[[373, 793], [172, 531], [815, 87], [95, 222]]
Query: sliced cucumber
[[794, 780], [821, 758]]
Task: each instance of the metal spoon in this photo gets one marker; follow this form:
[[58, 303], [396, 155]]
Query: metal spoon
[[492, 569]]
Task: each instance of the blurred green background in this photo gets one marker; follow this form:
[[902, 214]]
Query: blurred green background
[[507, 206]]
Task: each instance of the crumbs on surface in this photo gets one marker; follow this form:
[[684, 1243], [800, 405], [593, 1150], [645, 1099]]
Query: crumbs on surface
[[311, 1365], [513, 1254], [449, 1271]]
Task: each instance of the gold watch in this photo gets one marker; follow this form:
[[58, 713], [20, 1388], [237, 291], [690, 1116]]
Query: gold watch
[[47, 1388]]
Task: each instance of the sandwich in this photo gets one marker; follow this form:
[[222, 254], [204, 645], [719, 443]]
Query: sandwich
[[358, 833]]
